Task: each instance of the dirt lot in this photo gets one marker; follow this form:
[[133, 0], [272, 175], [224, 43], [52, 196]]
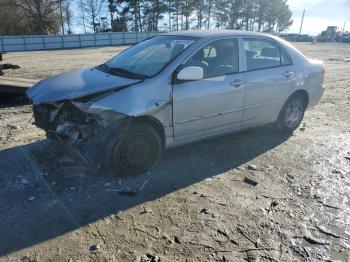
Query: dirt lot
[[195, 206]]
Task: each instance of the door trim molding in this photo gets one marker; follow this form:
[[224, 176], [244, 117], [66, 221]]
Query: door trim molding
[[209, 116]]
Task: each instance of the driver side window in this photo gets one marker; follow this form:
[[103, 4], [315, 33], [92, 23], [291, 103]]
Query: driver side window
[[219, 58]]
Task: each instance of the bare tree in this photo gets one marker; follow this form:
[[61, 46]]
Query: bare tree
[[68, 15], [170, 10], [60, 4], [188, 7], [209, 12], [153, 11], [177, 4], [82, 10], [42, 15], [200, 7], [93, 10], [11, 19], [112, 8]]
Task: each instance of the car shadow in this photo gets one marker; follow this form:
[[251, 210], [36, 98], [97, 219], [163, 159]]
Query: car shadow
[[12, 100], [43, 197]]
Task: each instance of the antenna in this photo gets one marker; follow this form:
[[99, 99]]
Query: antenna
[[302, 22]]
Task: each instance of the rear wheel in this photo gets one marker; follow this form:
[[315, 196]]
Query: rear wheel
[[139, 152], [291, 114]]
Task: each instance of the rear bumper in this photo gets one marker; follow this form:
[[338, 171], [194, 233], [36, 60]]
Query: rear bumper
[[315, 95]]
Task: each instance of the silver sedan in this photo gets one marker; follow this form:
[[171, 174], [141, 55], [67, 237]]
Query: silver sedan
[[175, 89]]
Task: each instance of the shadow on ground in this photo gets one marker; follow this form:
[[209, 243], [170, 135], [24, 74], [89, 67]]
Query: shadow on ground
[[41, 198]]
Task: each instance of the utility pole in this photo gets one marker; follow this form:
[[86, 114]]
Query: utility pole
[[302, 22], [344, 28]]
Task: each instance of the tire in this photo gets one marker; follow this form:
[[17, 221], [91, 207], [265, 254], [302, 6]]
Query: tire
[[292, 114], [139, 152]]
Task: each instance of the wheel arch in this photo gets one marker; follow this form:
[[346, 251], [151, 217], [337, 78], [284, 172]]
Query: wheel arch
[[301, 92], [155, 123], [304, 94]]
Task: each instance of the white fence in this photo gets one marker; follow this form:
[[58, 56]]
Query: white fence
[[50, 42]]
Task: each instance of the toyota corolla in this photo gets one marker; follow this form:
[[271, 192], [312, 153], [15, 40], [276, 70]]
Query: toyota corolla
[[175, 89]]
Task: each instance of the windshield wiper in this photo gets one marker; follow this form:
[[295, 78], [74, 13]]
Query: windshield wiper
[[121, 72], [126, 73]]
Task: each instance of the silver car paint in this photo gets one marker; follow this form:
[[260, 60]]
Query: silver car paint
[[75, 84], [196, 114]]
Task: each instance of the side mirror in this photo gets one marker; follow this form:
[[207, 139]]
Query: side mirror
[[190, 73]]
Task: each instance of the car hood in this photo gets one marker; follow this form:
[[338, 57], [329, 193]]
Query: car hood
[[76, 84]]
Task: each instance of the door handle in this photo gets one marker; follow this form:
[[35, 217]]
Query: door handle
[[288, 74], [238, 83]]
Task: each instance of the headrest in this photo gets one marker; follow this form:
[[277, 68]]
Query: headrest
[[270, 52], [224, 51], [199, 56], [250, 54]]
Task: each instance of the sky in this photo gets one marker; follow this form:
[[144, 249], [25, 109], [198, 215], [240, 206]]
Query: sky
[[319, 14]]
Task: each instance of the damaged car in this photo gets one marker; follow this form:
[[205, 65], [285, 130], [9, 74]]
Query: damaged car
[[175, 89]]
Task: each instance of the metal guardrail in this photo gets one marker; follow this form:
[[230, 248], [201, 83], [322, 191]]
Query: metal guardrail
[[52, 42]]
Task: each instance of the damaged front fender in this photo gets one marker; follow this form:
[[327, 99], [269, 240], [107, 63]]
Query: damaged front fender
[[89, 123], [89, 135]]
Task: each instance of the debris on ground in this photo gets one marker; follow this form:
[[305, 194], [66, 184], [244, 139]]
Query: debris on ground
[[326, 232], [272, 206], [253, 168], [95, 248], [204, 211], [150, 258], [177, 240], [314, 241], [133, 187], [250, 181], [146, 211], [6, 66], [14, 127]]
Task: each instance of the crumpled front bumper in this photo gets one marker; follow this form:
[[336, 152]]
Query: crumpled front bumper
[[89, 137]]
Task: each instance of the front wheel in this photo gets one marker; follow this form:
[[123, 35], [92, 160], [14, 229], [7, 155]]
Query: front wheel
[[139, 152], [291, 114]]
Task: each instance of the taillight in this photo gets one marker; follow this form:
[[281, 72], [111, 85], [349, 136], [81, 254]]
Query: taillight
[[323, 71]]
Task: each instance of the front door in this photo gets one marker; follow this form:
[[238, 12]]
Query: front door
[[214, 104], [270, 77]]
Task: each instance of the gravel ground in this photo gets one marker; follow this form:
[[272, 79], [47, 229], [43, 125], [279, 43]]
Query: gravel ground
[[42, 64], [195, 206]]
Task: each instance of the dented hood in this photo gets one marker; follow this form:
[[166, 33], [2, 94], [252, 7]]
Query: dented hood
[[76, 84]]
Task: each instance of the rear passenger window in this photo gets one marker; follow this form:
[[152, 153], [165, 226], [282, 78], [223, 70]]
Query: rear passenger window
[[262, 54], [285, 60]]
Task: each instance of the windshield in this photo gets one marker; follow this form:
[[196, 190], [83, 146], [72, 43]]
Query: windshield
[[149, 57]]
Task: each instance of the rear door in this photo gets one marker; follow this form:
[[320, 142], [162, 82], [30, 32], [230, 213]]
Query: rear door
[[214, 104], [270, 77]]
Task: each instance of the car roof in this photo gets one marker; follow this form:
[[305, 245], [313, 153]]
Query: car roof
[[212, 33]]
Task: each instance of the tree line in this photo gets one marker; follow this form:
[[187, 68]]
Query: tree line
[[59, 16]]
